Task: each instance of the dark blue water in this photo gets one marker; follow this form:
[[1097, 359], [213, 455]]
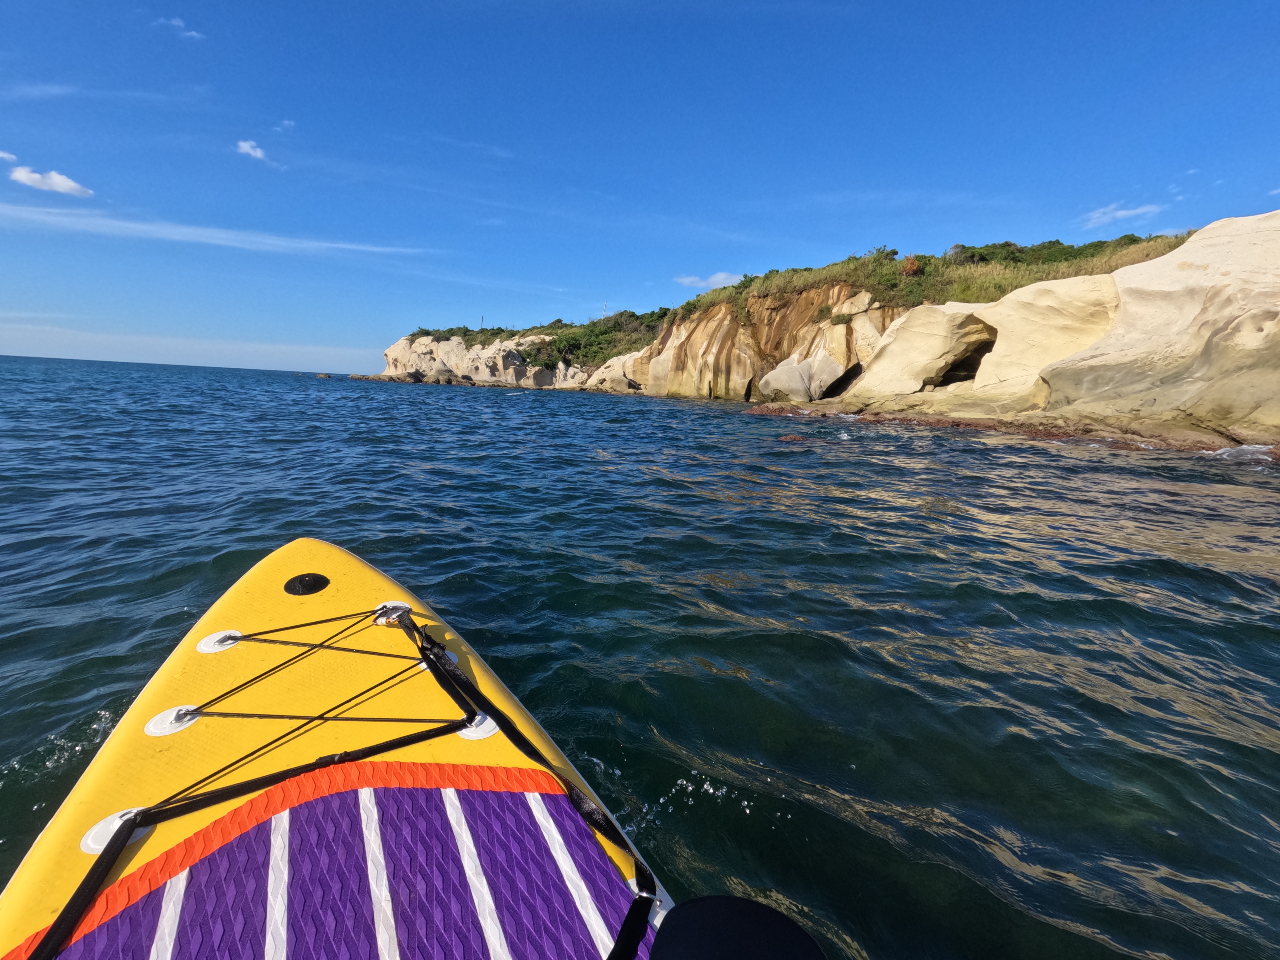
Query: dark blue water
[[933, 693]]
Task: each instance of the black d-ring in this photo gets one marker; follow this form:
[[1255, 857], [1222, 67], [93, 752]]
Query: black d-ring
[[305, 584]]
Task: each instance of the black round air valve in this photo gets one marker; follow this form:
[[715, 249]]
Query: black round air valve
[[305, 584]]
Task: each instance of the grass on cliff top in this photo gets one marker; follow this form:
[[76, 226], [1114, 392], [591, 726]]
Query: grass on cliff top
[[482, 338], [965, 274], [585, 345]]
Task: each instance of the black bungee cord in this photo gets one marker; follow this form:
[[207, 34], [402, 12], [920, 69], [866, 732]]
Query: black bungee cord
[[456, 684]]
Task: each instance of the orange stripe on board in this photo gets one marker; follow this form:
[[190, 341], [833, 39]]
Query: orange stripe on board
[[340, 778]]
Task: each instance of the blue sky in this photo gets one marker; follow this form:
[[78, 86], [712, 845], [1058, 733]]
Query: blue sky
[[295, 185]]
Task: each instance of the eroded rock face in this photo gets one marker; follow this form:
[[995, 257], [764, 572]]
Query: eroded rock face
[[719, 353], [824, 359], [920, 348], [716, 353], [712, 355], [611, 377], [1183, 350], [1196, 335], [1039, 325], [442, 361], [569, 378], [538, 378]]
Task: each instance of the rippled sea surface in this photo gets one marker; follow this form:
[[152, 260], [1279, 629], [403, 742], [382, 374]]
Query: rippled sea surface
[[933, 693]]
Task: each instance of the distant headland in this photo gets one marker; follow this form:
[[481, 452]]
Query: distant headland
[[1155, 342]]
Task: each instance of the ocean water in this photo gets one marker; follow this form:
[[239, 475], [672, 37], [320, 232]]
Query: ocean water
[[933, 693]]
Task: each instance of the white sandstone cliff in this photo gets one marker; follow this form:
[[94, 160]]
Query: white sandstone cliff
[[427, 360], [1183, 349]]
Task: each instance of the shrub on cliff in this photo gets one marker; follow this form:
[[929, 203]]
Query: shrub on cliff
[[482, 338], [968, 274], [591, 344]]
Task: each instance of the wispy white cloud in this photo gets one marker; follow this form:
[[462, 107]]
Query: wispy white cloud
[[285, 126], [49, 91], [47, 340], [1110, 214], [93, 222], [250, 148], [488, 148], [37, 91], [179, 26], [7, 157], [52, 180], [721, 279], [1272, 193]]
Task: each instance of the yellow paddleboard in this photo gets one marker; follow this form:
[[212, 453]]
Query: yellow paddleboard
[[323, 768]]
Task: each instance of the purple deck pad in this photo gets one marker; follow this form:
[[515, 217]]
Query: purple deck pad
[[126, 936], [224, 908], [330, 910], [611, 893], [535, 908], [330, 907], [435, 913]]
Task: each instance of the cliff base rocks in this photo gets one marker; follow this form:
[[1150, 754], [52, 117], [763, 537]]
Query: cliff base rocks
[[1180, 351]]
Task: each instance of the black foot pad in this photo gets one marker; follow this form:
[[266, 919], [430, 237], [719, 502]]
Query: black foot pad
[[731, 928]]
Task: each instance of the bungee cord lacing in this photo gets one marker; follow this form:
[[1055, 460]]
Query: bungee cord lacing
[[456, 684]]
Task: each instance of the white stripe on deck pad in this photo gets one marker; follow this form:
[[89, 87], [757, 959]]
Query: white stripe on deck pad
[[489, 924], [278, 889], [569, 870], [384, 922], [170, 912]]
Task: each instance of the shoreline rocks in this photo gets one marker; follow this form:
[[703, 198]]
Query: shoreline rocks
[[1182, 350], [1179, 352]]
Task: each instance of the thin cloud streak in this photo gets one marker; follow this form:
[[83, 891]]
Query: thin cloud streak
[[49, 91], [179, 26], [39, 340], [720, 279], [92, 222], [488, 148], [37, 91], [1110, 214]]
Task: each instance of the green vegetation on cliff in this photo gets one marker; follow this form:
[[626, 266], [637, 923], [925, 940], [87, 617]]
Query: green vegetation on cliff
[[482, 338], [585, 345], [591, 344], [966, 274]]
